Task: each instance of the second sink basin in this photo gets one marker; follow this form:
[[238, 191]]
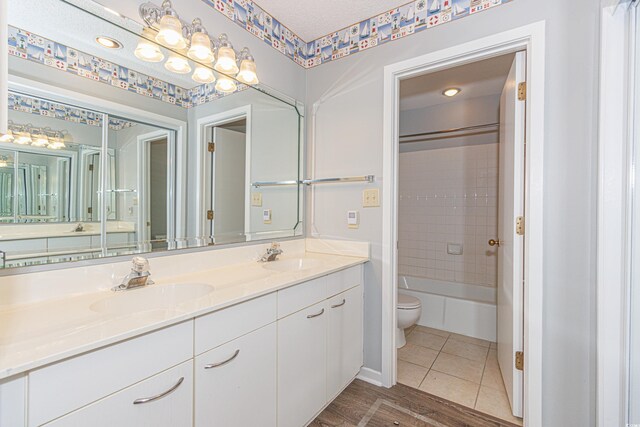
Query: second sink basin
[[293, 264], [151, 298]]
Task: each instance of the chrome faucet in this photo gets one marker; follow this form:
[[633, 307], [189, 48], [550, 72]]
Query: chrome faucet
[[272, 253], [138, 277], [79, 228]]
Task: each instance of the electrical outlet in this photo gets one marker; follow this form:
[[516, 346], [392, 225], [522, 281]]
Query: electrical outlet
[[371, 198], [256, 199], [266, 216]]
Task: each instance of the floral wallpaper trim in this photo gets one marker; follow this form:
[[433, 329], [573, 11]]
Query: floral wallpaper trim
[[411, 18]]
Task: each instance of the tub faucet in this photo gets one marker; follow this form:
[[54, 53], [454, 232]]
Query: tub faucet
[[138, 277], [272, 253]]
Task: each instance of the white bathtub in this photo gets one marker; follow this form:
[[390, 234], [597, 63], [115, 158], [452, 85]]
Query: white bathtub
[[454, 307]]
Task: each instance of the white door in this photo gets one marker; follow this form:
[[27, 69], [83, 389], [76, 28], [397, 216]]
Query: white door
[[236, 382], [344, 340], [302, 349], [511, 248], [228, 186]]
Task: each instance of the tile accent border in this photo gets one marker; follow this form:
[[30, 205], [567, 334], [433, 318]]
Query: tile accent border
[[411, 18]]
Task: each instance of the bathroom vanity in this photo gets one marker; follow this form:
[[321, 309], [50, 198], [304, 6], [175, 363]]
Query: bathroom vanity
[[249, 344]]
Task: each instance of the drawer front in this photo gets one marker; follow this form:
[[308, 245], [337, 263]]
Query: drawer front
[[230, 323], [63, 387], [164, 400], [236, 382], [301, 296], [343, 280]]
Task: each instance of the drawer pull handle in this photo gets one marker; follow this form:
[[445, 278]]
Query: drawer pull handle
[[159, 396], [217, 365], [311, 316], [344, 301]]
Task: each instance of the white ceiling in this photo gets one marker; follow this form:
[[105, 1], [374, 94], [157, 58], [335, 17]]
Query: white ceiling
[[477, 79], [312, 19]]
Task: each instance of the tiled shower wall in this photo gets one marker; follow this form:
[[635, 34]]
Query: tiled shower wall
[[449, 196]]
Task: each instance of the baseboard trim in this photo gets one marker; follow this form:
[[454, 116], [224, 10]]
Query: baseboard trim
[[370, 376]]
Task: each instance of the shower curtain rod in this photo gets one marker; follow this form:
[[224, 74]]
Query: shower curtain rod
[[440, 132]]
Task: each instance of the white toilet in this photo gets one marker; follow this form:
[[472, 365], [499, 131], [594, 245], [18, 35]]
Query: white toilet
[[409, 309]]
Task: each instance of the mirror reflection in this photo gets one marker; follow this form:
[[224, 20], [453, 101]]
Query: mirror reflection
[[110, 154]]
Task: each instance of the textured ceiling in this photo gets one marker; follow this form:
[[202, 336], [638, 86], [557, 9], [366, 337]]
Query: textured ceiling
[[311, 19], [477, 79]]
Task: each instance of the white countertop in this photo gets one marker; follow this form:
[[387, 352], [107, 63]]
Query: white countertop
[[36, 334]]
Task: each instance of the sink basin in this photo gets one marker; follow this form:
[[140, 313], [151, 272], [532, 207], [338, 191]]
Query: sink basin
[[293, 264], [151, 298]]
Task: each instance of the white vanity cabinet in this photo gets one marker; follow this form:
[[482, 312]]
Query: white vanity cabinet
[[13, 405], [320, 346]]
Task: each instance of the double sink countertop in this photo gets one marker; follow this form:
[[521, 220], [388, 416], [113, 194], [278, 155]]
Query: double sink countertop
[[33, 335]]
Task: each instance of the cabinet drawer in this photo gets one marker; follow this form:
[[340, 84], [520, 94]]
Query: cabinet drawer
[[301, 296], [236, 382], [343, 280], [65, 386], [169, 403], [230, 323]]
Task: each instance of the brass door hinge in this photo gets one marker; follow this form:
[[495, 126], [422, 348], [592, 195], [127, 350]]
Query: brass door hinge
[[90, 168], [520, 226], [522, 91], [210, 215], [519, 361], [89, 210], [211, 147]]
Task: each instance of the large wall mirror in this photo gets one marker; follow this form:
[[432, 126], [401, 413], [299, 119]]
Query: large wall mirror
[[110, 153]]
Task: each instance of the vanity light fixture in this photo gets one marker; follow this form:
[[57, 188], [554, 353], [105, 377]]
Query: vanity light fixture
[[7, 137], [226, 84], [23, 138], [203, 75], [37, 137], [40, 140], [147, 50], [451, 92], [170, 31], [200, 49], [226, 62], [177, 64], [108, 42], [247, 74]]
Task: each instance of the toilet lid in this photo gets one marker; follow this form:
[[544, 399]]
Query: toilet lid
[[406, 301]]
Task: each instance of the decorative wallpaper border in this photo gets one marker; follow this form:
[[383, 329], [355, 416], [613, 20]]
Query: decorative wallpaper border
[[411, 18], [32, 47], [40, 107]]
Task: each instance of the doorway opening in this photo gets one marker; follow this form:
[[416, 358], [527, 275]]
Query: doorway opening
[[460, 258]]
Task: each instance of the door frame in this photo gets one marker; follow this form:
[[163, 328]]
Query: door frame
[[202, 125], [529, 38]]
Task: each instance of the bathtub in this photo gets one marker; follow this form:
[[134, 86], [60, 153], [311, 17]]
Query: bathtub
[[454, 307]]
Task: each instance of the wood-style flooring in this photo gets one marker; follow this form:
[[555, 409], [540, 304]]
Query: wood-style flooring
[[362, 404]]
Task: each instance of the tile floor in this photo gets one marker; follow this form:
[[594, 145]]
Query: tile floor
[[455, 367]]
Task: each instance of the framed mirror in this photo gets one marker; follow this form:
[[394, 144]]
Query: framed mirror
[[109, 154]]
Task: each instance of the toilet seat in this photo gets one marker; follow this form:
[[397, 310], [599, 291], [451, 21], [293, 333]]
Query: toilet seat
[[406, 302]]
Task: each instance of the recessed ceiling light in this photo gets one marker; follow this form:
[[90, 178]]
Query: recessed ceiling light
[[452, 91], [108, 42]]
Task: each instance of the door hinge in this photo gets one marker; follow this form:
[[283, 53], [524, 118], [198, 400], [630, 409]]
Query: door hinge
[[89, 210], [210, 215], [522, 91], [520, 226], [90, 168], [519, 361], [211, 147]]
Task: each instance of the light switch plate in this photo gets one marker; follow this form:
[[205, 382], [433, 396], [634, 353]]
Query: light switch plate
[[266, 216], [353, 219], [371, 198], [256, 199]]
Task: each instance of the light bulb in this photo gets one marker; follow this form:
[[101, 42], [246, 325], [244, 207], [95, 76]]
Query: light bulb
[[170, 33], [226, 62], [23, 138], [200, 49], [226, 85], [56, 144], [40, 141], [148, 51], [247, 74], [178, 65], [7, 137], [452, 91], [203, 75]]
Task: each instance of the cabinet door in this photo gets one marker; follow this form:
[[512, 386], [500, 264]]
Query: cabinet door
[[302, 365], [236, 382], [165, 400], [344, 340], [13, 408]]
